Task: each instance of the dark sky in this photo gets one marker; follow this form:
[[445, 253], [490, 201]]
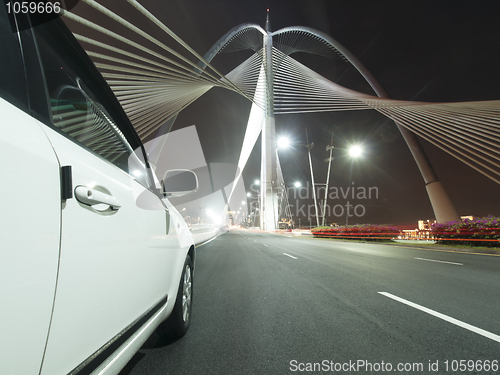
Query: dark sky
[[436, 51]]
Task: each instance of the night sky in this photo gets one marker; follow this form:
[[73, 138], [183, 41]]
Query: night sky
[[434, 51]]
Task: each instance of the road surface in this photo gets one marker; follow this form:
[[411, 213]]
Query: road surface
[[269, 304]]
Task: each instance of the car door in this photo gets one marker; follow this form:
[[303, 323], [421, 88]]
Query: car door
[[30, 218], [117, 253], [30, 228]]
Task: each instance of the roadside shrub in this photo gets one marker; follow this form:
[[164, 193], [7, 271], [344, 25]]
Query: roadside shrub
[[368, 232], [478, 232]]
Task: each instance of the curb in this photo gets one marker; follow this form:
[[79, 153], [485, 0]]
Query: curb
[[466, 250]]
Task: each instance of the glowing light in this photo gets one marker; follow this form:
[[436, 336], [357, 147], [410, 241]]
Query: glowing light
[[257, 182], [355, 151], [297, 184], [249, 195], [283, 142]]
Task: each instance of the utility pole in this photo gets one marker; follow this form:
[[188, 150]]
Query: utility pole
[[309, 146], [328, 148]]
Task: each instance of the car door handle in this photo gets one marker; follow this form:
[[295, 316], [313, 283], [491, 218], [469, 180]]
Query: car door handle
[[91, 197]]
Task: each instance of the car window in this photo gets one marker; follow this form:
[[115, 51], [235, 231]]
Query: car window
[[78, 110], [12, 82]]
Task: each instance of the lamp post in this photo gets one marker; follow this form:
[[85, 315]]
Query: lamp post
[[309, 146], [355, 151], [254, 202], [296, 185], [283, 143], [328, 148], [288, 211]]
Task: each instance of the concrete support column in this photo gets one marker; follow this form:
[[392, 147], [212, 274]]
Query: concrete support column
[[268, 180], [268, 196], [441, 203], [443, 208]]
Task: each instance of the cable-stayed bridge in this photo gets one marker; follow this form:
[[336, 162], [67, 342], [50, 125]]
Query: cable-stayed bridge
[[156, 79]]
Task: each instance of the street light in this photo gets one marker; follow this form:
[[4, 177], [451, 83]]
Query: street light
[[283, 142], [355, 151], [296, 185], [253, 198], [329, 160]]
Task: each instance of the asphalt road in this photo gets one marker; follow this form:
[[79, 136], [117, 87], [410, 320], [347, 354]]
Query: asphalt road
[[268, 304]]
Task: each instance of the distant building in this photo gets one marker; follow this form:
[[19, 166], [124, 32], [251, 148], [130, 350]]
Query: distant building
[[426, 224], [422, 232], [469, 217], [408, 234], [285, 223], [231, 215]]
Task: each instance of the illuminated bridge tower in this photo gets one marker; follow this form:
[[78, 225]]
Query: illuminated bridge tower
[[268, 176], [260, 67]]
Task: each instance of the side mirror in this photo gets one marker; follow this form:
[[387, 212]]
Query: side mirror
[[179, 182]]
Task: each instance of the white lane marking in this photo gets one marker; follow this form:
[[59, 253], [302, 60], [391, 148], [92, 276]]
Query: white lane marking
[[265, 245], [447, 318], [440, 261], [291, 256], [254, 241]]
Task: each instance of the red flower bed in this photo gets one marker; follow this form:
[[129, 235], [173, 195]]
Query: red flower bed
[[367, 232], [478, 232]]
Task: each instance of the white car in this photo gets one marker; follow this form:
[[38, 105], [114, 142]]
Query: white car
[[94, 258]]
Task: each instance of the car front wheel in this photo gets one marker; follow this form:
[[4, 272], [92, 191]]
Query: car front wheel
[[178, 322]]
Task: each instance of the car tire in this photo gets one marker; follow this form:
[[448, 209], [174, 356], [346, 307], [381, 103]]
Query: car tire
[[178, 322]]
